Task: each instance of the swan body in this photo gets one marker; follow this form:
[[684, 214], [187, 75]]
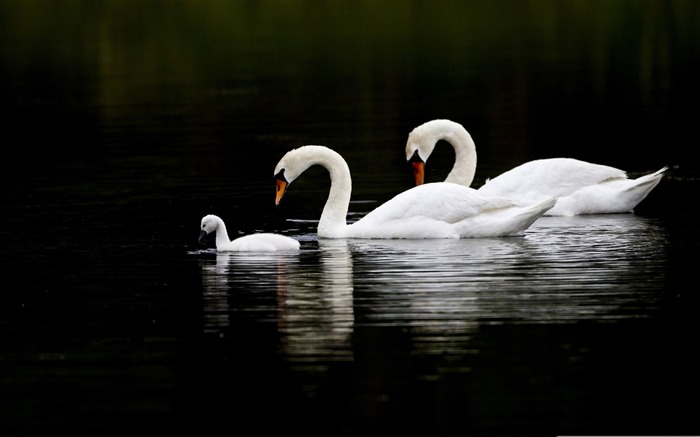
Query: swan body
[[262, 242], [581, 187], [437, 210]]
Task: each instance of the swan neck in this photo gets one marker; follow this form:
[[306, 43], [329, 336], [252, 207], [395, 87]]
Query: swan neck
[[221, 234], [333, 220], [464, 168]]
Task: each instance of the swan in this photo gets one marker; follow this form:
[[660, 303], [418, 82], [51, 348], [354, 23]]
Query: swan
[[437, 210], [581, 187], [252, 243]]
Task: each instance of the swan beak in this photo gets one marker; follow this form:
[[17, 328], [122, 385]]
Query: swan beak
[[280, 188], [418, 171], [418, 167], [202, 235]]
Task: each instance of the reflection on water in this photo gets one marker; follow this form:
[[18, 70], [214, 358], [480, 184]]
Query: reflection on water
[[564, 270], [310, 299], [254, 274]]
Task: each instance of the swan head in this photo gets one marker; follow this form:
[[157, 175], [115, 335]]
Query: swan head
[[421, 143], [209, 224], [419, 146], [423, 139], [287, 169], [294, 163]]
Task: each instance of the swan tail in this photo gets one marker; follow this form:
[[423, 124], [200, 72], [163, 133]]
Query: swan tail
[[540, 208], [531, 213], [644, 184], [651, 179]]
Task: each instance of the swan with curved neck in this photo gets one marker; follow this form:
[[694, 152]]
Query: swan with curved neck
[[436, 210], [581, 187], [421, 143], [252, 243]]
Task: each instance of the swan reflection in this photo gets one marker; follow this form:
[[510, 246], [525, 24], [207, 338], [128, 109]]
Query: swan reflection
[[313, 297], [318, 314], [564, 269], [429, 287], [233, 281], [441, 292]]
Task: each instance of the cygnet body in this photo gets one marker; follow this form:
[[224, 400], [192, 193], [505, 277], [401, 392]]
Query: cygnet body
[[261, 242]]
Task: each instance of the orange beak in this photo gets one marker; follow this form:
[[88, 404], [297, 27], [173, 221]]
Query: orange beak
[[418, 171], [280, 188]]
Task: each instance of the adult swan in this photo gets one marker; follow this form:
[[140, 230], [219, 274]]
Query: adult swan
[[437, 210], [581, 187]]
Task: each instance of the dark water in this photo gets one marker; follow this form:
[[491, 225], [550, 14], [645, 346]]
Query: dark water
[[125, 122]]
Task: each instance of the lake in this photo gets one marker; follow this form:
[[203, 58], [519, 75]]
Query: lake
[[126, 123]]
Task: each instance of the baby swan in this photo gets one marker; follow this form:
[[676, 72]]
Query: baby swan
[[263, 242]]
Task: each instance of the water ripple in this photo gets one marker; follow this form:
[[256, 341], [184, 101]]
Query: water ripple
[[564, 270]]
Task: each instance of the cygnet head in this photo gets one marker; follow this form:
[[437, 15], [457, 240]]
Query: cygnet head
[[209, 224]]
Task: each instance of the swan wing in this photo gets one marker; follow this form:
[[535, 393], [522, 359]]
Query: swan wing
[[263, 242], [445, 210], [581, 187], [539, 179], [442, 201]]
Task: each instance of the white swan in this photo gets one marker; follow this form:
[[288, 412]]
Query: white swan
[[581, 187], [438, 210], [252, 243]]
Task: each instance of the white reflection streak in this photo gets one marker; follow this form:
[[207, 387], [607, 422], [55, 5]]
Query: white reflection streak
[[312, 307], [215, 293], [588, 267], [318, 316], [564, 270], [428, 287], [254, 275]]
